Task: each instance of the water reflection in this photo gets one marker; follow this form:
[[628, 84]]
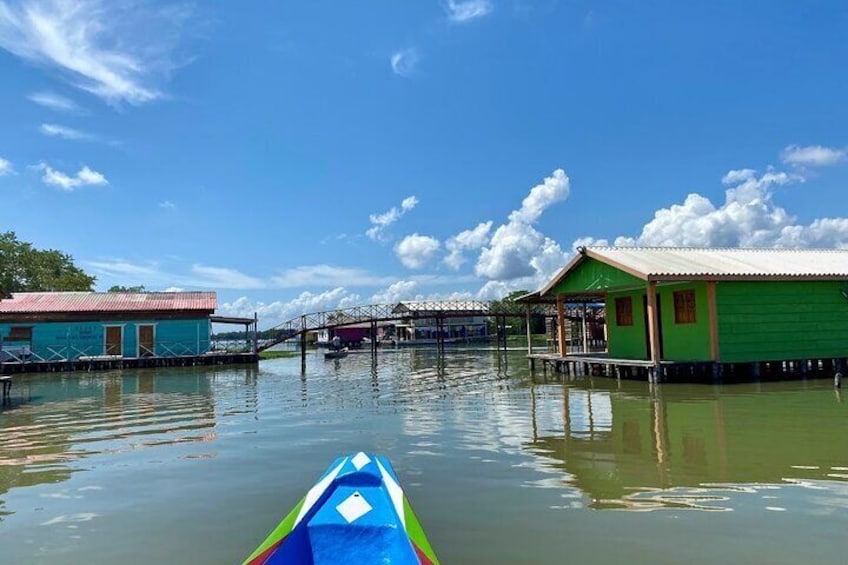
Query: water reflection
[[628, 446], [56, 420]]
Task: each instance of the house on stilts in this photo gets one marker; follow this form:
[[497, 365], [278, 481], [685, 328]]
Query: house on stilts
[[707, 314], [59, 331]]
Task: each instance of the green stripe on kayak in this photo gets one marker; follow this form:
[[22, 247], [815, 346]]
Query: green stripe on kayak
[[416, 532], [283, 529]]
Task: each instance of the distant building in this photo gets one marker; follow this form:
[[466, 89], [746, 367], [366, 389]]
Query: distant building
[[458, 320], [53, 326]]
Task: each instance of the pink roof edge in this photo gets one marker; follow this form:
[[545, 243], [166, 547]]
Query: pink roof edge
[[48, 302]]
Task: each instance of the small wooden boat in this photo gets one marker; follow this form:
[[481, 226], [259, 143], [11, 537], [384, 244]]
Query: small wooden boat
[[356, 513], [336, 354]]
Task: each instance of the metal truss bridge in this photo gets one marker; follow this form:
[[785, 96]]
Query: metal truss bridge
[[375, 313]]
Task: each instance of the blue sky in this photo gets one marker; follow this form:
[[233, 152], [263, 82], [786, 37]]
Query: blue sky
[[299, 156]]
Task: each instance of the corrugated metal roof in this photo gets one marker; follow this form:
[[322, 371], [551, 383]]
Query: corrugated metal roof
[[709, 263], [661, 262], [48, 302], [471, 306]]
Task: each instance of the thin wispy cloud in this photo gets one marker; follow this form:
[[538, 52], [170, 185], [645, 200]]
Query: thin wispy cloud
[[813, 155], [327, 275], [56, 102], [405, 61], [84, 177], [100, 46], [222, 277], [5, 167], [167, 204], [459, 11], [379, 222], [55, 130]]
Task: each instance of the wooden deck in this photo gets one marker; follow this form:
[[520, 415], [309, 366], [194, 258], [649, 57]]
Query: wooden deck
[[600, 364], [111, 362]]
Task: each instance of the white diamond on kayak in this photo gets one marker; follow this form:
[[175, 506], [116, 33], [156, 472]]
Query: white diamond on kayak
[[354, 507], [360, 460]]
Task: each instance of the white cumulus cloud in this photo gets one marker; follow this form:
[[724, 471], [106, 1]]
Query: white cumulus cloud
[[748, 217], [461, 11], [405, 61], [813, 155], [379, 222], [467, 240], [114, 50], [84, 177], [5, 167], [415, 251], [275, 313], [517, 250], [396, 292]]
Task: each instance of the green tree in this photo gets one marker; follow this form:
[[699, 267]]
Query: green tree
[[120, 288], [23, 268]]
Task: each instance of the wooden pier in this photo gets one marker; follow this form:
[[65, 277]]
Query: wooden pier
[[111, 362], [599, 364]]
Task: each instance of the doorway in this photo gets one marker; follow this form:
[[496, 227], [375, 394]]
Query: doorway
[[114, 340], [146, 341]]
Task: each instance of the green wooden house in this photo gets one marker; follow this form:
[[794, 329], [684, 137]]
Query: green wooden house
[[708, 305]]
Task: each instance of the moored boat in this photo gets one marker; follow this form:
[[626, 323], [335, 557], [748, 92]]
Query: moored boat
[[356, 513], [336, 353]]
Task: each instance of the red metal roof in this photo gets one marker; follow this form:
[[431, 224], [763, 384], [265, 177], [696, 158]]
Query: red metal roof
[[45, 302]]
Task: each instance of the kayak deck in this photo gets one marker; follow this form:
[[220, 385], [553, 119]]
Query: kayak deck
[[356, 512]]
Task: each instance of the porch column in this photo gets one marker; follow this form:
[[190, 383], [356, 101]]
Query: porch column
[[585, 331], [561, 325], [713, 320], [529, 333], [653, 324]]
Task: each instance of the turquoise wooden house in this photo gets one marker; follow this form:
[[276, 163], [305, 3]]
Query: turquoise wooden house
[[57, 326], [714, 306]]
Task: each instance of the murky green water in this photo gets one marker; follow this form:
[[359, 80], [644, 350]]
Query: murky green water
[[197, 465]]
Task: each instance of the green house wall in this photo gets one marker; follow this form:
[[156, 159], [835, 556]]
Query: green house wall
[[627, 342], [680, 342], [763, 321], [591, 274]]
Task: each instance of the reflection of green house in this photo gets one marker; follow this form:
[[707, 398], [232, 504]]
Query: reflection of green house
[[720, 306]]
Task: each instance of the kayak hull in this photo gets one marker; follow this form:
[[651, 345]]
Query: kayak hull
[[356, 513]]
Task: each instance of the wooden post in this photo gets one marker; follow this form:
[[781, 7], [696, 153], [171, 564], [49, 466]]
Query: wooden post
[[255, 333], [585, 329], [561, 325], [529, 333], [654, 328], [303, 344]]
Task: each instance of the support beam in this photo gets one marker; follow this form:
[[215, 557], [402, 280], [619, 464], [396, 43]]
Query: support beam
[[529, 333], [561, 325], [585, 329], [653, 327]]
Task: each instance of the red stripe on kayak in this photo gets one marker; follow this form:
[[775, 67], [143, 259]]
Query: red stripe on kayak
[[263, 557], [422, 557]]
